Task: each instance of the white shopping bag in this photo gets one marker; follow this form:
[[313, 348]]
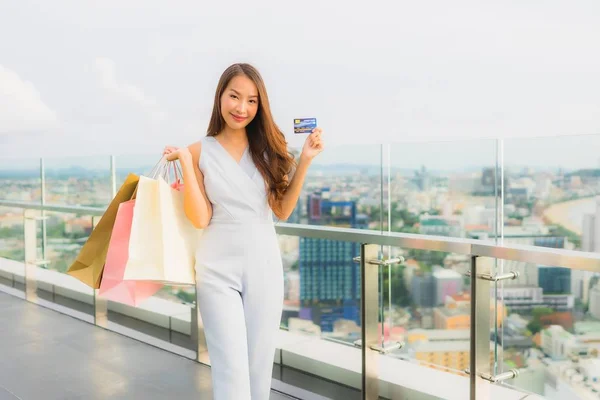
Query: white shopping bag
[[163, 241]]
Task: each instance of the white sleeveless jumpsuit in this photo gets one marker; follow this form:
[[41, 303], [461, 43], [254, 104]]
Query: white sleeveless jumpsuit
[[240, 276]]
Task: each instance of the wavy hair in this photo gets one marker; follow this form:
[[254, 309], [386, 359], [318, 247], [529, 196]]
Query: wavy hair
[[267, 143]]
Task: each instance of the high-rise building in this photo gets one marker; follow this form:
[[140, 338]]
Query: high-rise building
[[560, 344], [555, 280], [447, 283], [590, 241], [329, 279], [588, 233], [532, 233], [422, 291], [422, 179], [594, 304]]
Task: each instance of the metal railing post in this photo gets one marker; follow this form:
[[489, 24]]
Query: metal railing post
[[479, 357], [369, 299], [482, 355], [43, 202], [101, 304], [30, 247]]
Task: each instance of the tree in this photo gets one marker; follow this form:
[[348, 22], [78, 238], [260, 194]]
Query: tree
[[538, 312], [185, 296], [409, 219], [11, 232], [56, 230], [428, 257], [534, 326], [573, 237]]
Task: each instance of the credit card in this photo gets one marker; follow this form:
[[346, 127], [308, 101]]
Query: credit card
[[304, 125]]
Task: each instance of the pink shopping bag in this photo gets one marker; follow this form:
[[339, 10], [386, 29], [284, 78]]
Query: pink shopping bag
[[113, 287]]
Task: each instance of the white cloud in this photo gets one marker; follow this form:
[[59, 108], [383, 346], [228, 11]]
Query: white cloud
[[21, 106], [106, 70]]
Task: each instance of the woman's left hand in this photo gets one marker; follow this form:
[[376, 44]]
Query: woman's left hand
[[313, 145]]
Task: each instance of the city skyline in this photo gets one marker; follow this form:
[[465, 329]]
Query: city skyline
[[571, 153]]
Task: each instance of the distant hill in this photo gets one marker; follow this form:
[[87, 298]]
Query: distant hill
[[68, 172], [20, 174], [327, 169], [588, 173]]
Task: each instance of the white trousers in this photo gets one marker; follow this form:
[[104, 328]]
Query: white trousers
[[240, 298]]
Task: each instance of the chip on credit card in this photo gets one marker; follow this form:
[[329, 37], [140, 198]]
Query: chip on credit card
[[304, 125]]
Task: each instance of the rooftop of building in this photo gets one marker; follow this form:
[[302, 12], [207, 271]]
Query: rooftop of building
[[453, 312], [444, 346], [441, 334], [443, 273]]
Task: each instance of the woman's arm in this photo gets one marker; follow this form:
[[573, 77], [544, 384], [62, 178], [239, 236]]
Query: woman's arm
[[312, 146], [292, 193], [195, 202]]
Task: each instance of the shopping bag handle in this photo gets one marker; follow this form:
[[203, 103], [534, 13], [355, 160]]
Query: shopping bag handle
[[162, 169], [177, 174], [156, 170]]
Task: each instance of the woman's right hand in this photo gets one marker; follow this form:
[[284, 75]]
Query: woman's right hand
[[176, 153]]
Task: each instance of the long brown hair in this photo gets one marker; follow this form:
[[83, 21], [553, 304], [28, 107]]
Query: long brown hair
[[264, 136]]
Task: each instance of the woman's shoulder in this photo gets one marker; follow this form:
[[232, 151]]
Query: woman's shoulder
[[196, 147]]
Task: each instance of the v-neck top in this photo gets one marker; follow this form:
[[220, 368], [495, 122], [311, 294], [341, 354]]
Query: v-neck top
[[236, 191]]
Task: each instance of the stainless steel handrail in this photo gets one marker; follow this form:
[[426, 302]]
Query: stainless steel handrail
[[93, 211], [530, 254]]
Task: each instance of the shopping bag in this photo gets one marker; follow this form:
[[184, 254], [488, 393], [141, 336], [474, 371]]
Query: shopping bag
[[162, 241], [113, 287], [89, 264]]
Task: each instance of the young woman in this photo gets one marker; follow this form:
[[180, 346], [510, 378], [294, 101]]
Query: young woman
[[236, 178]]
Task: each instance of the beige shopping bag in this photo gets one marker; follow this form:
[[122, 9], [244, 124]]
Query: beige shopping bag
[[89, 264], [163, 241]]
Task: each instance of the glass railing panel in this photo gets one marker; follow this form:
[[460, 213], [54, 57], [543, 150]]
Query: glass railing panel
[[551, 332], [321, 311], [19, 182], [166, 316], [444, 188], [79, 181], [426, 308], [12, 248], [343, 188], [140, 164], [550, 199], [66, 233]]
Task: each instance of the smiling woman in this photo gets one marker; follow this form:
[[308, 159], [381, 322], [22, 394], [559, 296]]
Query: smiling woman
[[236, 178], [242, 103]]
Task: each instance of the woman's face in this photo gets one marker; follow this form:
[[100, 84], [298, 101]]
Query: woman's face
[[239, 102]]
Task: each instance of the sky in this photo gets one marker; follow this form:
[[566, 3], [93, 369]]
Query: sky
[[86, 79]]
